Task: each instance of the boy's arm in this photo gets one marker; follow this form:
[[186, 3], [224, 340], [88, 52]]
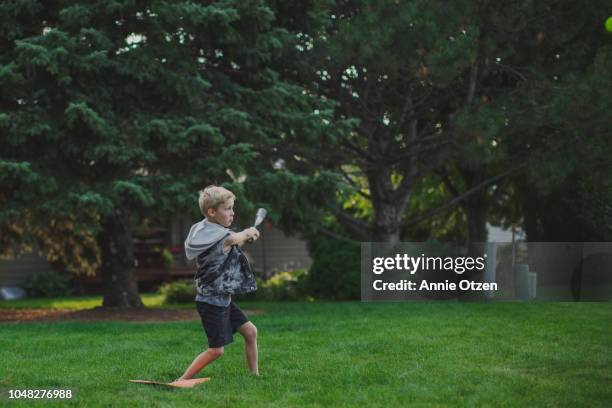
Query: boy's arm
[[240, 238]]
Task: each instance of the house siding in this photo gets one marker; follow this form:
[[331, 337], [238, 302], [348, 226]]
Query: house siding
[[14, 272], [275, 252]]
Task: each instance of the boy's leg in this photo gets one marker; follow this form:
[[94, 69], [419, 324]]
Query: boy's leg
[[201, 361], [249, 332]]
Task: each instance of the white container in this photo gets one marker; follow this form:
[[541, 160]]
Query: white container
[[532, 284]]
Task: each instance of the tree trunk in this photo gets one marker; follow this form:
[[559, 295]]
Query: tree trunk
[[477, 212], [475, 206], [115, 240], [386, 226], [388, 205]]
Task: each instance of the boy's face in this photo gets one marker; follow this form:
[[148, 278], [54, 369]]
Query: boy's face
[[223, 214]]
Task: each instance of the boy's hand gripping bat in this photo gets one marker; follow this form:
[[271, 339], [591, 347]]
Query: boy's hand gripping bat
[[259, 217]]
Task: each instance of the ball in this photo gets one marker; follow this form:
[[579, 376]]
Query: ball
[[609, 24]]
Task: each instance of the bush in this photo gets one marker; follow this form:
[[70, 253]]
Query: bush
[[49, 284], [336, 270], [290, 285], [183, 291]]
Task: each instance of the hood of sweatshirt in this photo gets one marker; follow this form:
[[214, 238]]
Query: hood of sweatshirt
[[202, 236]]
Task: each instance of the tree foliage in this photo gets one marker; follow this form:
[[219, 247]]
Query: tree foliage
[[467, 94], [116, 111]]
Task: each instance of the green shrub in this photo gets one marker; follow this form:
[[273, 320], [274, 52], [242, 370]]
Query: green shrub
[[336, 270], [290, 285], [182, 291], [49, 284]]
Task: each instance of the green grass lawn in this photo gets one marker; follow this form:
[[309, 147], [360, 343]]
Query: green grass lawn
[[81, 302], [332, 354]]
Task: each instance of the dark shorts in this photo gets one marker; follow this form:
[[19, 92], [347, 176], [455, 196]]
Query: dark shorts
[[220, 323]]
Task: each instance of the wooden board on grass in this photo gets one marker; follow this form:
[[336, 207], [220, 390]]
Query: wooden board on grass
[[176, 384]]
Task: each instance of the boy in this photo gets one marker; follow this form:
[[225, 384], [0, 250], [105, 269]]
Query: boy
[[221, 317]]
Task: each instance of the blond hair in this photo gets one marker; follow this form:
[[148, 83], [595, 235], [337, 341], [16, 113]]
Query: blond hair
[[213, 196]]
